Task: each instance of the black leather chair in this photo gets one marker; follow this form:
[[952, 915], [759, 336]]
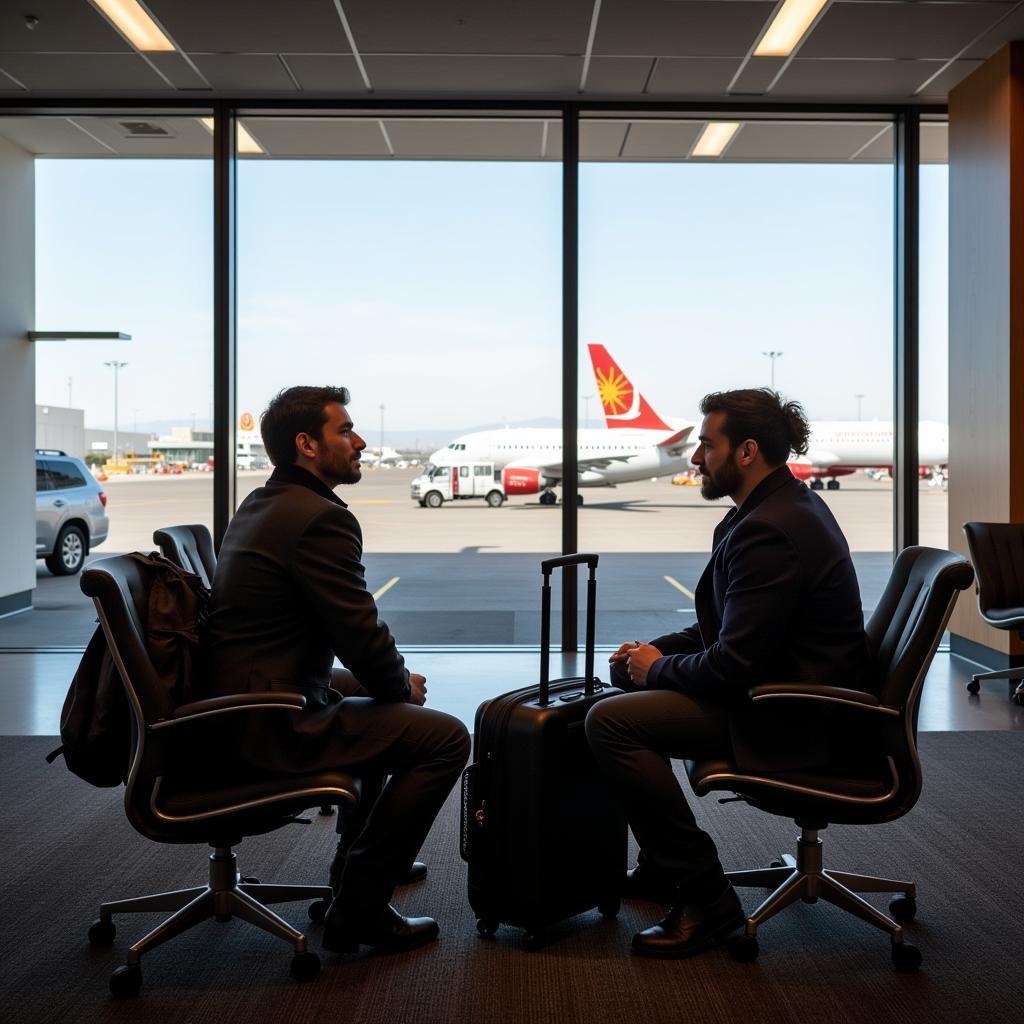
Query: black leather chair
[[883, 785], [174, 796], [997, 551], [190, 547]]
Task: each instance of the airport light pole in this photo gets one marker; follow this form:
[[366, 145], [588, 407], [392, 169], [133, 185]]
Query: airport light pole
[[382, 429], [586, 411], [772, 356], [117, 366], [859, 400]]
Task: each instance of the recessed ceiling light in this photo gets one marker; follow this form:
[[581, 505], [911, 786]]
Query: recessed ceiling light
[[788, 27], [715, 137], [246, 143], [134, 22]]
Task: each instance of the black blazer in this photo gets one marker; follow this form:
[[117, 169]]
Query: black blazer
[[777, 602], [289, 595]]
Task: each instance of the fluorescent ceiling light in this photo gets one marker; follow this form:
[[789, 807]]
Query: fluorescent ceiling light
[[788, 27], [715, 138], [132, 19], [246, 143]]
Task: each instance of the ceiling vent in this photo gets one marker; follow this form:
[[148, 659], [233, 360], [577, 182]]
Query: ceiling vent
[[145, 130]]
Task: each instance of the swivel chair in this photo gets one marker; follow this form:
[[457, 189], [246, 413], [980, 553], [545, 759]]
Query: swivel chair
[[997, 551], [170, 798], [903, 632]]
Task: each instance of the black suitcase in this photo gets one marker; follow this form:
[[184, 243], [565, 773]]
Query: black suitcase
[[544, 837]]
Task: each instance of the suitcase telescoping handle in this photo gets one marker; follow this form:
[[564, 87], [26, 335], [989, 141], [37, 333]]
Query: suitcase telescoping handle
[[546, 568]]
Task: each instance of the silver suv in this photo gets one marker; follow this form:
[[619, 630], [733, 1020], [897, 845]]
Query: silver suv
[[71, 513]]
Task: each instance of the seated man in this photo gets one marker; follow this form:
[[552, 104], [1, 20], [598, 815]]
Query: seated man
[[289, 595], [778, 601]]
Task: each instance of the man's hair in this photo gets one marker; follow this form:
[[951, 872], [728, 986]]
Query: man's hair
[[296, 411], [761, 415]]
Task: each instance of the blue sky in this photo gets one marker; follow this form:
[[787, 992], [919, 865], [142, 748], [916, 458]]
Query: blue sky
[[434, 288]]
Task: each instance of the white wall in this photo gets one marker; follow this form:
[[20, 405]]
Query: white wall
[[17, 378]]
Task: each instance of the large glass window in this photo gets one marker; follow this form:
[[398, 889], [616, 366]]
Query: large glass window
[[417, 262], [770, 263]]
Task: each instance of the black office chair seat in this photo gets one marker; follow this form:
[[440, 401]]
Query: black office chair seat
[[1006, 618]]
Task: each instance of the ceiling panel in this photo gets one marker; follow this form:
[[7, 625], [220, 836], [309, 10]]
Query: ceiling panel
[[319, 137], [1005, 31], [757, 76], [317, 72], [178, 71], [50, 136], [876, 79], [248, 72], [919, 30], [687, 28], [601, 140], [466, 75], [661, 141], [466, 140], [698, 76], [186, 136], [618, 75], [879, 151], [82, 71], [470, 26], [952, 76], [934, 142], [803, 142], [252, 26], [8, 84], [63, 26]]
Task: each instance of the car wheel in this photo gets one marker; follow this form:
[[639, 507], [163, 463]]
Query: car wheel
[[434, 499], [69, 553], [495, 498]]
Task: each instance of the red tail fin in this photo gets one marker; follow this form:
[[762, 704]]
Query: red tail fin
[[624, 407]]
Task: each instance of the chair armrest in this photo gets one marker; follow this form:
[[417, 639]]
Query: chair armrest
[[277, 701], [815, 692]]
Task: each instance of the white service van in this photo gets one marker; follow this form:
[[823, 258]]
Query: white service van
[[457, 481]]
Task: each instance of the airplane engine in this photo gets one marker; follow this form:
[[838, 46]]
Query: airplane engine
[[800, 469], [517, 480]]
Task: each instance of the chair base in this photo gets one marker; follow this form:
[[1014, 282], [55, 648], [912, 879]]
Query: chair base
[[227, 895], [804, 878], [1013, 676]]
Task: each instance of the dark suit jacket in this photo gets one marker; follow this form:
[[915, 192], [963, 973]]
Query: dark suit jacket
[[777, 602], [289, 595]]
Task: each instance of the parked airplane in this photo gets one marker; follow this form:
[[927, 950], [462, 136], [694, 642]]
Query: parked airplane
[[381, 456], [637, 445]]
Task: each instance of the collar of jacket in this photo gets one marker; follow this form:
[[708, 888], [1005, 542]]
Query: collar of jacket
[[769, 485], [293, 474]]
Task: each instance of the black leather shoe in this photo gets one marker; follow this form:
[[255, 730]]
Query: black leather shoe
[[690, 929], [384, 930], [417, 873], [645, 882]]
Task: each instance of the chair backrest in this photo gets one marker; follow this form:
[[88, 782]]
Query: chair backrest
[[190, 547], [997, 551]]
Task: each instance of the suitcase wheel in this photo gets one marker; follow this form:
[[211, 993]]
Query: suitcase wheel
[[532, 941], [609, 909], [487, 926]]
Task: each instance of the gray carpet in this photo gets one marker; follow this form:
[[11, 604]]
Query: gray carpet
[[67, 846]]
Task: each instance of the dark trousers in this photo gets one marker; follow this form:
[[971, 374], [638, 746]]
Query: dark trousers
[[407, 758], [633, 736]]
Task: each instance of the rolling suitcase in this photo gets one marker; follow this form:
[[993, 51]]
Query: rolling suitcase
[[544, 837]]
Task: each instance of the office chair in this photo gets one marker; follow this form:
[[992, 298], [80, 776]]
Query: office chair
[[191, 548], [170, 798], [903, 632], [997, 551]]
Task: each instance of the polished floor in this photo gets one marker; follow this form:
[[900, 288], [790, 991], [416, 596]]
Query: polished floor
[[33, 686]]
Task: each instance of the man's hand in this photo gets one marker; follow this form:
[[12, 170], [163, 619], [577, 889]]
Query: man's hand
[[639, 658], [621, 655], [417, 689]]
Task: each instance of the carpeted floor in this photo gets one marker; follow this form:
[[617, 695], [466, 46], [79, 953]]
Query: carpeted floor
[[66, 846]]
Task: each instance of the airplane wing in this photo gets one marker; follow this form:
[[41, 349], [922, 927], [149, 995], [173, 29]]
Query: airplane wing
[[553, 470]]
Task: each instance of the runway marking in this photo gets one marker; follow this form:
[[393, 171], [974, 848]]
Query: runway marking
[[675, 583], [387, 586]]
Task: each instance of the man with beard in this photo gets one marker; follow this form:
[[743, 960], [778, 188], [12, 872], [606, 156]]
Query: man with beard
[[777, 602], [289, 595]]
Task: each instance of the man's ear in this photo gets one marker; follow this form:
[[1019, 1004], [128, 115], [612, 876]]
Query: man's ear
[[307, 445], [749, 450]]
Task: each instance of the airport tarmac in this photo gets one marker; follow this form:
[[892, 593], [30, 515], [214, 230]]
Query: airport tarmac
[[466, 574]]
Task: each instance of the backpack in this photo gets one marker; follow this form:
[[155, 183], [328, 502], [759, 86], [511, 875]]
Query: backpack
[[95, 722]]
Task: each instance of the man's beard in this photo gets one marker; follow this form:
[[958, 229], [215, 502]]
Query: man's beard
[[723, 483]]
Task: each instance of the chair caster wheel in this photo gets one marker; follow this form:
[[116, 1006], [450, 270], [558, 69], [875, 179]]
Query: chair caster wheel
[[305, 967], [318, 911], [609, 910], [101, 933], [905, 958], [777, 864], [973, 686], [250, 880], [532, 941], [743, 949], [903, 909], [126, 981], [326, 810], [487, 926]]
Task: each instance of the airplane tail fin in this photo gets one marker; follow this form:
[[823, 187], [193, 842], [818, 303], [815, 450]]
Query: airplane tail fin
[[624, 406]]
